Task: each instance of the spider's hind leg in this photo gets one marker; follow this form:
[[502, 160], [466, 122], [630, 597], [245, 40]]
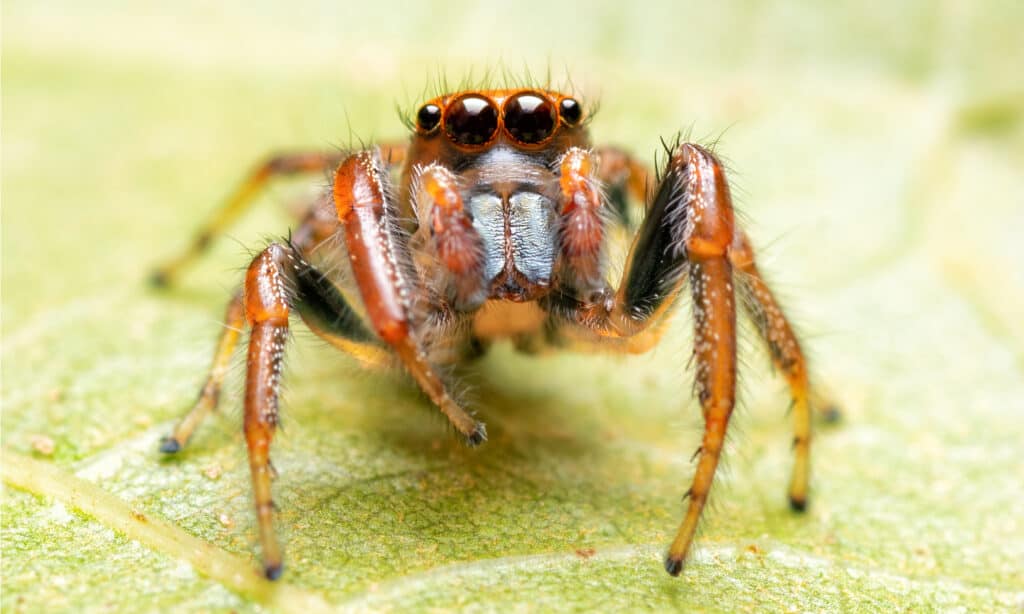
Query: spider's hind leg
[[763, 309], [209, 395], [243, 197], [280, 165], [323, 309]]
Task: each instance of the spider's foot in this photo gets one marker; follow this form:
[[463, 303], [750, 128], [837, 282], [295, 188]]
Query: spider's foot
[[798, 503], [831, 414], [273, 571], [170, 445], [673, 565], [160, 279], [478, 436]]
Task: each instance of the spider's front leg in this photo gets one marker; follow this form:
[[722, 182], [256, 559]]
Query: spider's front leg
[[384, 273], [691, 225], [278, 281], [624, 176], [687, 235]]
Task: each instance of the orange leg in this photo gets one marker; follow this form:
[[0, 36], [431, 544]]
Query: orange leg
[[623, 174], [784, 348], [686, 235], [705, 194], [383, 272], [266, 310], [626, 180], [306, 237], [234, 319], [277, 281], [715, 359], [280, 165]]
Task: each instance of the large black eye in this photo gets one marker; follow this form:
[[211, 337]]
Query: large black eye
[[571, 111], [529, 118], [470, 120], [428, 117]]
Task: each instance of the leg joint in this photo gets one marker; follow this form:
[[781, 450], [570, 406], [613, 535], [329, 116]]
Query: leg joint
[[267, 297]]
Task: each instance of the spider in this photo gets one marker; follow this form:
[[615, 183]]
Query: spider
[[498, 226]]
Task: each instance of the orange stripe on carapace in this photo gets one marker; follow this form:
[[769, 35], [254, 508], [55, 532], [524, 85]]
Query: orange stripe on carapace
[[359, 200]]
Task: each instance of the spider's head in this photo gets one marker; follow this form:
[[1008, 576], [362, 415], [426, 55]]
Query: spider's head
[[504, 146]]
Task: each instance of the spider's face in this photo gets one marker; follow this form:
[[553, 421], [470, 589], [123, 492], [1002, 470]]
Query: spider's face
[[504, 146]]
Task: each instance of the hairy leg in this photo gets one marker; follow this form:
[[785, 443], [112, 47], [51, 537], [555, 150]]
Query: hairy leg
[[209, 395], [279, 280], [267, 305], [686, 235], [715, 358], [628, 182], [383, 271], [347, 336], [760, 305], [278, 165]]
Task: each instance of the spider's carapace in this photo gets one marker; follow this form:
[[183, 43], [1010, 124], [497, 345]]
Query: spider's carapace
[[494, 220]]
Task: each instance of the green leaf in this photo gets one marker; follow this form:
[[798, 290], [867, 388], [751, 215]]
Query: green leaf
[[876, 153]]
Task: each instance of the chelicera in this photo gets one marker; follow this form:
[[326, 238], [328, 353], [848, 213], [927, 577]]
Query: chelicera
[[494, 221]]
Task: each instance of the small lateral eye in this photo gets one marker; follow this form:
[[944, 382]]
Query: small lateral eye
[[529, 118], [470, 120], [571, 111], [428, 117]]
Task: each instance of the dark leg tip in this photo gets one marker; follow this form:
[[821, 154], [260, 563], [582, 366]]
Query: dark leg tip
[[169, 445], [478, 436], [673, 566], [832, 414], [273, 572], [798, 505], [159, 279]]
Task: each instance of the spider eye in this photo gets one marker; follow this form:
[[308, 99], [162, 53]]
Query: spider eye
[[470, 120], [571, 111], [428, 117], [529, 118]]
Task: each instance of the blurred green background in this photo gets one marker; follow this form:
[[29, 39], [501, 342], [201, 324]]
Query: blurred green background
[[878, 159]]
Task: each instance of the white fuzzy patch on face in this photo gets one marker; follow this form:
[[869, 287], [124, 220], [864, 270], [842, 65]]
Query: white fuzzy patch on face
[[489, 221], [534, 227]]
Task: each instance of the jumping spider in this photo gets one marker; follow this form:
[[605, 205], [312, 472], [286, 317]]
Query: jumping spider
[[498, 227]]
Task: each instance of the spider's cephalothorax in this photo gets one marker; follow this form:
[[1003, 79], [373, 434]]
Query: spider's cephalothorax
[[483, 179], [498, 227]]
